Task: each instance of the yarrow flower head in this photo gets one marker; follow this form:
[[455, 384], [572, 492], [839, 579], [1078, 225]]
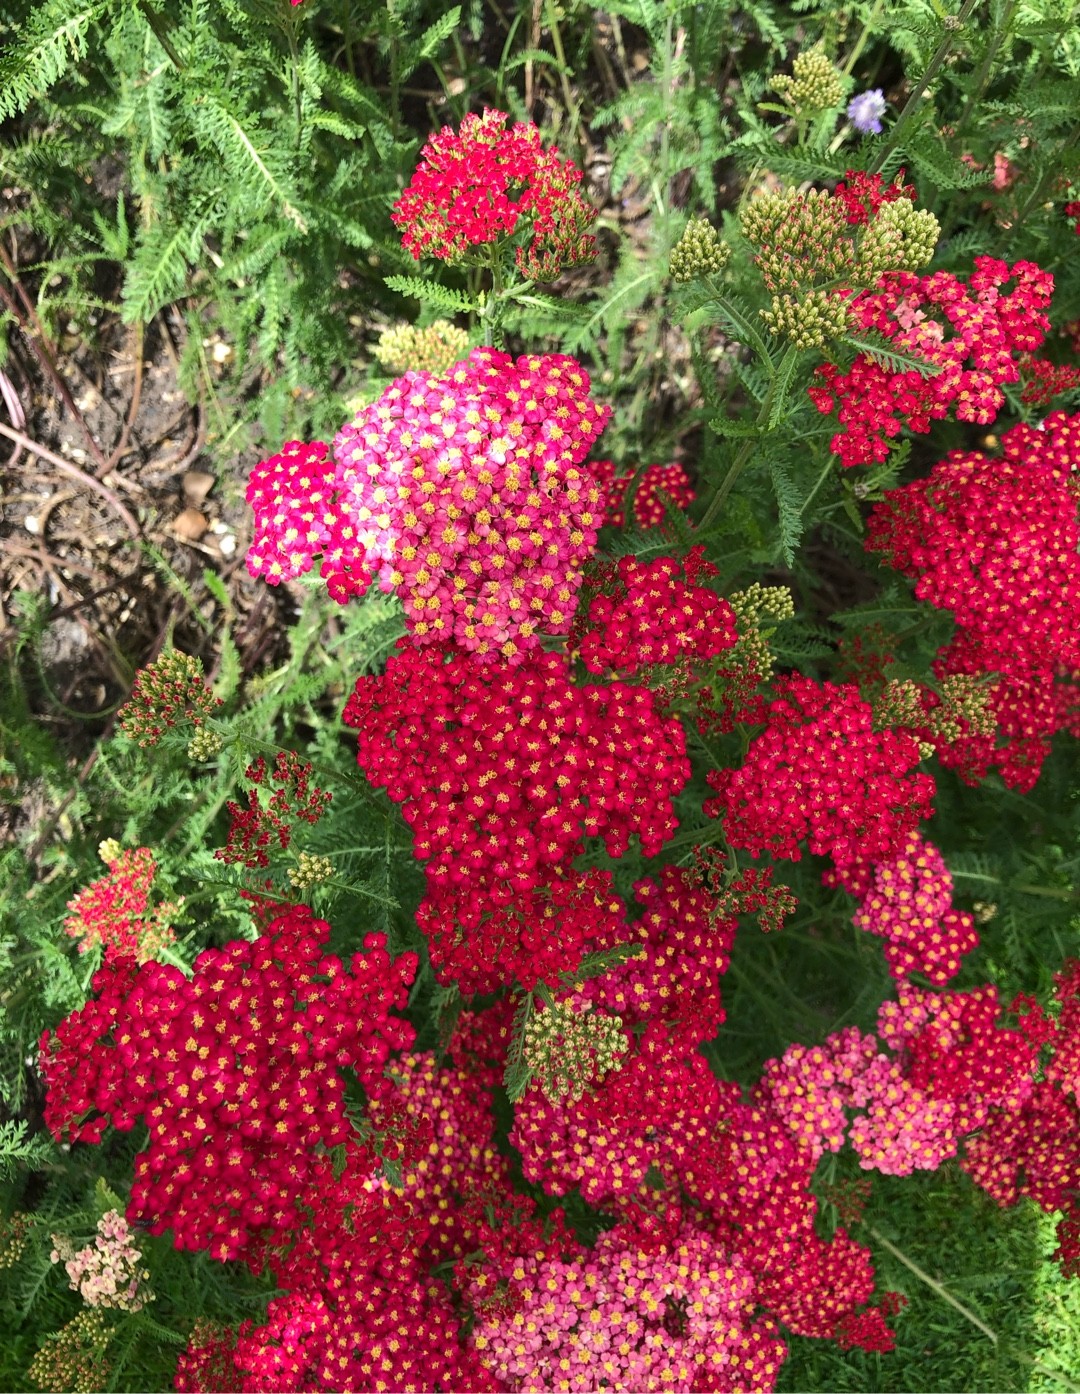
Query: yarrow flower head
[[819, 772], [467, 494], [108, 1272], [655, 489], [115, 911], [866, 110], [488, 183], [814, 84], [169, 692], [976, 335]]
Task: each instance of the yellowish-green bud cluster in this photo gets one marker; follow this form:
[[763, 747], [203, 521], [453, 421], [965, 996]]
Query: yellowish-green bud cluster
[[984, 911], [73, 1358], [759, 602], [900, 238], [434, 349], [810, 322], [204, 745], [569, 1050], [310, 871], [899, 704], [965, 709], [13, 1235], [800, 239], [813, 86], [109, 850], [698, 252]]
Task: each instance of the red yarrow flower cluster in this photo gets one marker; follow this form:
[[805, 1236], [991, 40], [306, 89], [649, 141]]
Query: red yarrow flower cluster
[[862, 194], [645, 614], [115, 912], [1044, 380], [502, 770], [994, 540], [236, 1072], [658, 488], [975, 335], [487, 183], [254, 828], [819, 773]]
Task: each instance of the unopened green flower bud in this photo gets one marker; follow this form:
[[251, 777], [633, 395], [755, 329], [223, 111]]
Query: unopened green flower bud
[[570, 1050], [813, 86], [799, 239], [310, 871], [900, 703], [984, 911], [698, 252], [900, 238], [809, 321], [204, 745], [109, 850]]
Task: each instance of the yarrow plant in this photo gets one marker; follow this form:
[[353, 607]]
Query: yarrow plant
[[487, 1125]]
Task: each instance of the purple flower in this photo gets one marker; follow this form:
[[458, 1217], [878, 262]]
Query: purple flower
[[866, 110]]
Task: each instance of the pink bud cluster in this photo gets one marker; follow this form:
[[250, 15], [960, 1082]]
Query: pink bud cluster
[[487, 182], [466, 493], [906, 899], [646, 614], [820, 773], [974, 335], [658, 488], [235, 1071], [115, 912]]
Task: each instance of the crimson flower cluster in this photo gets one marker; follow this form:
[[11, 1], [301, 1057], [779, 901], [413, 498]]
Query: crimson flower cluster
[[994, 540], [236, 1072], [645, 615], [658, 488], [820, 773], [502, 771], [256, 827], [488, 182], [975, 336]]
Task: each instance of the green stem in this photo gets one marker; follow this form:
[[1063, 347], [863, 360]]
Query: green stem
[[745, 450], [986, 66], [942, 52], [942, 1292], [860, 42], [298, 109], [493, 308], [161, 33]]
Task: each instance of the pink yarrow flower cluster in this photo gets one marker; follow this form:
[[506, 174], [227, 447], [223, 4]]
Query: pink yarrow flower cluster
[[975, 335], [108, 1272], [906, 899], [677, 1316], [487, 183], [466, 494]]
